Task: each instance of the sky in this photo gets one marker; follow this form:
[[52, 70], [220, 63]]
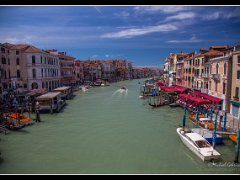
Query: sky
[[144, 35]]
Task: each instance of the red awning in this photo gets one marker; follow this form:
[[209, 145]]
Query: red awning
[[211, 98], [160, 83], [180, 88], [193, 99]]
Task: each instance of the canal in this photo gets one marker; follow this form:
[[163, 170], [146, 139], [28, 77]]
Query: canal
[[107, 131]]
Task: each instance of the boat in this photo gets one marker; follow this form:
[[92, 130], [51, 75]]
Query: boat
[[233, 138], [22, 119], [198, 145], [174, 105], [208, 135], [203, 122], [51, 101], [123, 88]]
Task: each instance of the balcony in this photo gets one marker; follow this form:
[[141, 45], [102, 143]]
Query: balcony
[[215, 77], [179, 76], [204, 91], [205, 75], [224, 77]]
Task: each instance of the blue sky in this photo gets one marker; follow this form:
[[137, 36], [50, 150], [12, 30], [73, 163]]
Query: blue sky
[[145, 35]]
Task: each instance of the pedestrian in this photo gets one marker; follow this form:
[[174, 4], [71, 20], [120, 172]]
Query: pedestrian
[[37, 112]]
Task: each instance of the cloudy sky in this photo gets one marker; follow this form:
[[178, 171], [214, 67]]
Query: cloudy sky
[[144, 35]]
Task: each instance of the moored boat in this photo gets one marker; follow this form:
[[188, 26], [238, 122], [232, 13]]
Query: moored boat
[[233, 138], [198, 145], [203, 121], [208, 135]]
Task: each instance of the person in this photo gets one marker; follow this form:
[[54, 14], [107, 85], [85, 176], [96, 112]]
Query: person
[[37, 112]]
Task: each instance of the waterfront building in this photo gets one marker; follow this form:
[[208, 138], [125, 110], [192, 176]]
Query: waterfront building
[[198, 63], [5, 74], [78, 71], [138, 73], [217, 75], [235, 103], [188, 71], [107, 70], [66, 67], [32, 68]]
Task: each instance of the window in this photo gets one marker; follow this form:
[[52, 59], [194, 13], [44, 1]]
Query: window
[[33, 59], [224, 88], [18, 74], [3, 50], [4, 60], [238, 74], [8, 61], [25, 86], [17, 52], [235, 110], [41, 59], [42, 84], [238, 59], [225, 68], [237, 92], [34, 73], [34, 85], [17, 61], [42, 72], [217, 68], [216, 86]]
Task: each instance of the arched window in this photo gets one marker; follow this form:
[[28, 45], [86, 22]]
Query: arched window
[[225, 68], [33, 59], [34, 73], [18, 74], [217, 68]]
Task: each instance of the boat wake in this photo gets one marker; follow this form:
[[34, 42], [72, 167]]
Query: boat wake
[[121, 92]]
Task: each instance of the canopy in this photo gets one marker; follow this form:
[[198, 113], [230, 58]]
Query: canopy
[[193, 99], [160, 83], [211, 98], [180, 88], [167, 88]]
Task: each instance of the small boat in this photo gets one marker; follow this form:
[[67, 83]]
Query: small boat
[[233, 138], [198, 145], [123, 88], [208, 135], [203, 121], [174, 105]]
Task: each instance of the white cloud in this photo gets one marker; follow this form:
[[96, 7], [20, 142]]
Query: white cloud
[[140, 31], [222, 15], [182, 16], [123, 14], [193, 39], [156, 9], [23, 39]]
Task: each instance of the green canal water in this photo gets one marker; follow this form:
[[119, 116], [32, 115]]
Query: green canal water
[[106, 131]]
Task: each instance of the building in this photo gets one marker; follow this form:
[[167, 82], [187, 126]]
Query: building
[[235, 103], [32, 68], [78, 71], [66, 67], [5, 74], [107, 71]]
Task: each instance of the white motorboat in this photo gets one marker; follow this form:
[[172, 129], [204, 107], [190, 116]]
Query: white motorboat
[[197, 144]]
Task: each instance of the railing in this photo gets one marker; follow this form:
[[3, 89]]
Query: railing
[[215, 76], [205, 75], [204, 91]]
